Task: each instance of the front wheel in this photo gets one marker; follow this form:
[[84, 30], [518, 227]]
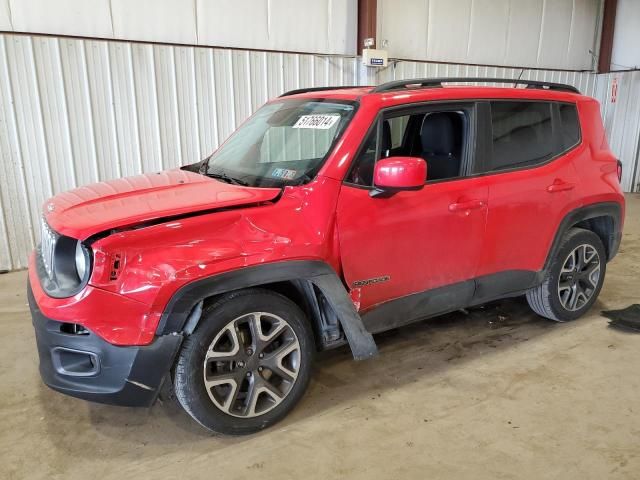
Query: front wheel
[[574, 278], [247, 363]]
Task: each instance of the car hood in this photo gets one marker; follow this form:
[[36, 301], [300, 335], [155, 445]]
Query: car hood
[[85, 211]]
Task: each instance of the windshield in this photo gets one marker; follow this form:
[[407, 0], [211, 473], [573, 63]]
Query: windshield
[[283, 143]]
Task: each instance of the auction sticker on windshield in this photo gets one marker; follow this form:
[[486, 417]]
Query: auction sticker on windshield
[[321, 122]]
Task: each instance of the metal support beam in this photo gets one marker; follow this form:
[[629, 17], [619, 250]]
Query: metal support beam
[[606, 37], [367, 21]]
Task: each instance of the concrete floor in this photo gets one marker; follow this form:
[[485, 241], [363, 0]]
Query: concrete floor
[[498, 393]]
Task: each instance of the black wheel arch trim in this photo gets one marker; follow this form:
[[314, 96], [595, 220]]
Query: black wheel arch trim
[[588, 212], [320, 274]]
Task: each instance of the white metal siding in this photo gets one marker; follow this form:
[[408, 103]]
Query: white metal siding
[[622, 122], [78, 111], [531, 33], [626, 53], [320, 26], [399, 70]]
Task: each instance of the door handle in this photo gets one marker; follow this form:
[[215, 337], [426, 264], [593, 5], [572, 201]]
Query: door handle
[[469, 205], [560, 186]]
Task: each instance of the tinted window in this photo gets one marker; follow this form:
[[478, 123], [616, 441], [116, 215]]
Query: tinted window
[[570, 125], [522, 134]]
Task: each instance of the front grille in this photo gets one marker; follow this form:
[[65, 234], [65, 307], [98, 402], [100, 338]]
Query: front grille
[[48, 239]]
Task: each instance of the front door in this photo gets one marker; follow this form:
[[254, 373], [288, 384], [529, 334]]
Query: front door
[[415, 241]]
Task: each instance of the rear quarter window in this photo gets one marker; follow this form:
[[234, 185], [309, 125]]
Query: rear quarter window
[[570, 125]]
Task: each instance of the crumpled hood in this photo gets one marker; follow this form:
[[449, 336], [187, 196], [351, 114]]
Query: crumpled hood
[[91, 209]]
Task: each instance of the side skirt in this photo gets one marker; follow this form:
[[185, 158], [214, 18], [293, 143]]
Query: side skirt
[[441, 300]]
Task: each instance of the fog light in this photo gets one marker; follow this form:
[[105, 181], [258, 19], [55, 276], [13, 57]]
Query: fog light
[[75, 363]]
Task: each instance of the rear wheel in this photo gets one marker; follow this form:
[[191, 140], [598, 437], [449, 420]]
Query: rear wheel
[[574, 279], [247, 364]]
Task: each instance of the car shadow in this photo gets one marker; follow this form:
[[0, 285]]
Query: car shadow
[[424, 349], [408, 354]]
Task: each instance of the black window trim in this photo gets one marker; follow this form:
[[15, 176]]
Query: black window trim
[[556, 135], [451, 105], [375, 125], [483, 147]]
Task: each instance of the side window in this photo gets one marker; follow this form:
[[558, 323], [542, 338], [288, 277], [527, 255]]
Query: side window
[[438, 137], [397, 128], [570, 125], [362, 171], [442, 141], [521, 134], [393, 131]]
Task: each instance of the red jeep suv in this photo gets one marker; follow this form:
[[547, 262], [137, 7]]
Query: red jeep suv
[[330, 215]]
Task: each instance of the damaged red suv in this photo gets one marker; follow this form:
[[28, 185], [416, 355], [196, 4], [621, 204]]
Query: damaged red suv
[[330, 215]]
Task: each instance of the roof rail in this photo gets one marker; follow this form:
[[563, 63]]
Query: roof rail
[[437, 82], [317, 89]]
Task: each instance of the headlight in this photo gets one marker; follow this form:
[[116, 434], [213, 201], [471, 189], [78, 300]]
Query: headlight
[[82, 260], [64, 264]]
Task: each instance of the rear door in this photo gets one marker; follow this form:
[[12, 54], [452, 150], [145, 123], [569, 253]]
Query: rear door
[[532, 178], [413, 241]]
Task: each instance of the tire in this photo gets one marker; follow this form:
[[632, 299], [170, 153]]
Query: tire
[[254, 348], [558, 297]]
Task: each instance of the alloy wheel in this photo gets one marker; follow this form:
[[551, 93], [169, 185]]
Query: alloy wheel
[[252, 364], [579, 277]]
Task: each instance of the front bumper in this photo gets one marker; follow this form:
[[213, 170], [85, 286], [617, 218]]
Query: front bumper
[[84, 365]]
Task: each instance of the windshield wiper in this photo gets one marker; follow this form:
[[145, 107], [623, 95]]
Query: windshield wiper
[[226, 178]]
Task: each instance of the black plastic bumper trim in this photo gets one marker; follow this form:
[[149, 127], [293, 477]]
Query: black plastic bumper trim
[[127, 376], [183, 301]]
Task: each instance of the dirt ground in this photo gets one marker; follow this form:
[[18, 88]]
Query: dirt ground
[[496, 393]]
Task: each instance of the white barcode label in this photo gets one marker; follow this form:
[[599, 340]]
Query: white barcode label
[[320, 122]]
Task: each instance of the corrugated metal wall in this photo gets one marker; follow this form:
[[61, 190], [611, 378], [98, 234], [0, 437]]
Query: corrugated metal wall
[[619, 95], [585, 81], [77, 111]]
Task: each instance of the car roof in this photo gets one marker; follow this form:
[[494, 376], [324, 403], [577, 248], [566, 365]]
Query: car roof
[[419, 90]]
